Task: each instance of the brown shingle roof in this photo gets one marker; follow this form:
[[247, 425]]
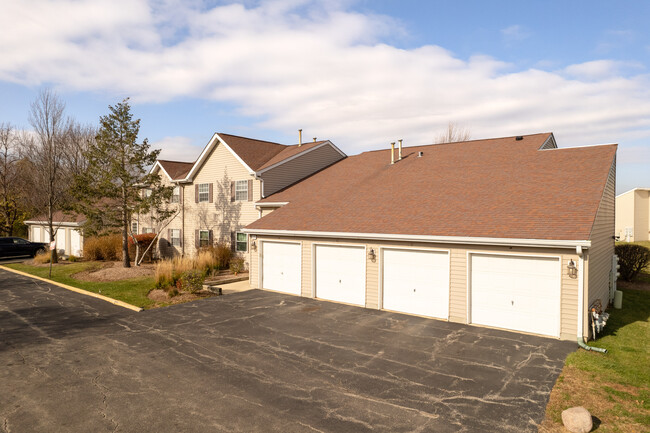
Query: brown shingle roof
[[498, 188], [59, 217], [255, 153], [290, 151], [176, 169]]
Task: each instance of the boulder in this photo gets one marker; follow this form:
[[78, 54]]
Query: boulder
[[577, 420]]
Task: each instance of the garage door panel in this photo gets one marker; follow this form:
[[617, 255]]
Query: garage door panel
[[340, 274], [416, 282], [281, 267], [516, 292]]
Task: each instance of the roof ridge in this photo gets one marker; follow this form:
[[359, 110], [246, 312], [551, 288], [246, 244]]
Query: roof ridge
[[457, 142], [248, 138]]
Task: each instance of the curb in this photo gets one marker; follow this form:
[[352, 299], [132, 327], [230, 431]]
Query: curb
[[76, 289]]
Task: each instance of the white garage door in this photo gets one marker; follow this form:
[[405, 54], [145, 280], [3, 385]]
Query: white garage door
[[75, 243], [60, 240], [416, 282], [36, 237], [281, 267], [341, 274], [516, 292]]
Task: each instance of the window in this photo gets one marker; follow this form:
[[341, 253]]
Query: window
[[20, 241], [242, 242], [204, 192], [176, 237], [204, 238], [134, 228], [147, 230], [147, 192], [176, 194], [241, 190]]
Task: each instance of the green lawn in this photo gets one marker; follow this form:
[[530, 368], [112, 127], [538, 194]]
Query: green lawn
[[614, 387], [132, 291]]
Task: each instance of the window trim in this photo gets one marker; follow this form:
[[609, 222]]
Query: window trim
[[206, 192], [238, 242], [241, 191], [207, 238], [178, 238]]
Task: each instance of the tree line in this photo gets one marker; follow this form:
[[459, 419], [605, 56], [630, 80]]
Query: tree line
[[64, 167]]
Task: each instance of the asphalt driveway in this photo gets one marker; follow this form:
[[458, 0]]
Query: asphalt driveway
[[259, 362]]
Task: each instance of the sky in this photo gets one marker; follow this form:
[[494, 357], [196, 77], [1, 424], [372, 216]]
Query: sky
[[360, 73]]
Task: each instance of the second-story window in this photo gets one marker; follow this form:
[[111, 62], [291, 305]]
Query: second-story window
[[176, 194], [204, 192], [241, 190], [147, 192]]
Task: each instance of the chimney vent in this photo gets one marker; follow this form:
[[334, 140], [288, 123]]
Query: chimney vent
[[392, 153], [519, 138], [299, 137], [314, 139], [399, 158], [420, 154]]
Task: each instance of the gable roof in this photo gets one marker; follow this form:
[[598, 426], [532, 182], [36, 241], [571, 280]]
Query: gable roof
[[175, 170], [495, 188], [254, 154]]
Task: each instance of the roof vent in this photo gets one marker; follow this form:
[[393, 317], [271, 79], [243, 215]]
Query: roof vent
[[519, 137], [314, 139], [299, 137], [420, 154]]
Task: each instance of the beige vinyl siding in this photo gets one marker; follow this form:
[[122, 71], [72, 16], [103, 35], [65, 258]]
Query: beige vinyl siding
[[602, 244], [222, 216], [458, 298], [298, 168], [641, 215], [624, 214], [267, 210]]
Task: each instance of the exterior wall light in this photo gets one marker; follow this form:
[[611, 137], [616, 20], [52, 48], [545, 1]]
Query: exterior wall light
[[372, 255], [253, 245], [573, 270]]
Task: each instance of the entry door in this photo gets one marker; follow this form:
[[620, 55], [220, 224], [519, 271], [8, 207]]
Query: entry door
[[341, 273], [416, 282], [281, 267], [516, 292]]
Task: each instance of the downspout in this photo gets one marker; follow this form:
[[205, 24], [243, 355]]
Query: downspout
[[182, 220], [581, 291]]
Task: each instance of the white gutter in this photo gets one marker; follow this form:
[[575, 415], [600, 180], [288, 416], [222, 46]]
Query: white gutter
[[269, 204], [546, 243]]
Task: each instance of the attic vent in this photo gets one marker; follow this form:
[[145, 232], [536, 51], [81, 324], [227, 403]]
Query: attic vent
[[420, 154], [519, 138]]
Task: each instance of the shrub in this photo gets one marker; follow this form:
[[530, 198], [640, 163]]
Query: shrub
[[192, 281], [42, 258], [222, 255], [164, 273], [237, 265], [107, 247], [633, 258], [144, 240], [206, 260], [73, 258]]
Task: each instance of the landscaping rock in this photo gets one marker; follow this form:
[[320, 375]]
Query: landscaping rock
[[577, 420]]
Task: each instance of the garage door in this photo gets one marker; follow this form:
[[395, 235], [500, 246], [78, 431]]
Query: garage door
[[416, 282], [341, 274], [516, 292], [281, 267]]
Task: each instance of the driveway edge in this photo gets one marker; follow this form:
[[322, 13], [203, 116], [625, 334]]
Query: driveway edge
[[76, 290]]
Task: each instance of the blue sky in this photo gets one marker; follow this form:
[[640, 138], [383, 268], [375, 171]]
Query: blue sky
[[361, 73]]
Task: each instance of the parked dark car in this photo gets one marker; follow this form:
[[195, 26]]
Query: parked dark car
[[17, 247]]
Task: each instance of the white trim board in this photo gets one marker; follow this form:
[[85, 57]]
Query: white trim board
[[543, 243]]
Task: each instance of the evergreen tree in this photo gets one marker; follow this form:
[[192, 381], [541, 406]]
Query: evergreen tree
[[111, 190]]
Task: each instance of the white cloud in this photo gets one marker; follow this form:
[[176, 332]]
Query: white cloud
[[177, 149], [312, 65], [514, 33]]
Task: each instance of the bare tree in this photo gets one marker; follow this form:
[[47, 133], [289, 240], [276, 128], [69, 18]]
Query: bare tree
[[46, 153], [453, 134], [78, 139], [11, 208]]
